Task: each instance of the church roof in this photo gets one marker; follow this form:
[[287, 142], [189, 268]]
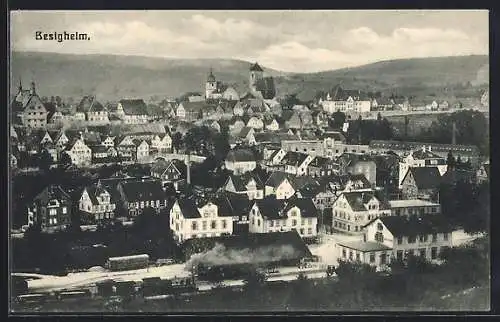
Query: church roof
[[256, 68]]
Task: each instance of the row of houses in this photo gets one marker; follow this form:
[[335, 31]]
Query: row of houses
[[87, 147]]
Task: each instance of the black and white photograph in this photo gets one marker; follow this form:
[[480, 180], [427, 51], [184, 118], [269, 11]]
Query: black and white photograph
[[248, 161]]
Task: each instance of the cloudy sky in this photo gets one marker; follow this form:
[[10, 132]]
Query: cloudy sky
[[294, 41]]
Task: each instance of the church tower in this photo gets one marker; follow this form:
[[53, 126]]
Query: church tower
[[256, 73], [211, 85]]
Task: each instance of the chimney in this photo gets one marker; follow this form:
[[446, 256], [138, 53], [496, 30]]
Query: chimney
[[32, 91], [188, 169], [20, 85], [454, 133]]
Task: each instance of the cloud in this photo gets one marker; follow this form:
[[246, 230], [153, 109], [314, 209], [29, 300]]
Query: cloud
[[296, 45]]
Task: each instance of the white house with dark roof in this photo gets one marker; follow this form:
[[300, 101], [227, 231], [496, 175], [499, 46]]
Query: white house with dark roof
[[96, 205], [50, 209], [79, 152], [246, 184], [137, 195], [240, 161], [30, 108], [423, 157], [280, 185], [342, 100], [394, 238], [296, 163], [173, 171], [95, 112], [197, 218], [421, 183], [132, 111], [352, 210], [279, 215]]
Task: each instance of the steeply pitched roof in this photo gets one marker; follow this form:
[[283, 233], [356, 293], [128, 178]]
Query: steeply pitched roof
[[358, 200], [240, 182], [240, 155], [52, 192], [134, 106], [425, 177], [271, 208], [403, 226], [256, 68], [276, 178], [306, 206], [294, 158], [94, 191], [89, 104], [142, 190], [188, 208]]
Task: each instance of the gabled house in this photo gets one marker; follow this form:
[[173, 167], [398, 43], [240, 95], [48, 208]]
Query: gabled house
[[279, 184], [395, 238], [96, 205], [162, 143], [296, 163], [126, 148], [109, 141], [79, 152], [247, 184], [256, 123], [50, 209], [279, 215], [421, 158], [132, 111], [93, 110], [169, 172], [320, 167], [238, 109], [198, 218], [238, 205], [247, 135], [270, 124], [137, 195], [352, 210], [29, 107], [240, 161], [421, 183]]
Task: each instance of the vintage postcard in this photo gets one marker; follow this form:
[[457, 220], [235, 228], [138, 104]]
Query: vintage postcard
[[249, 161]]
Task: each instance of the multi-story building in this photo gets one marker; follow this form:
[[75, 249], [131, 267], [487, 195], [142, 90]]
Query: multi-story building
[[247, 184], [240, 161], [169, 172], [137, 195], [296, 163], [421, 183], [414, 207], [161, 143], [198, 218], [132, 111], [346, 101], [95, 112], [394, 238], [28, 106], [277, 215], [321, 167], [352, 210], [79, 152], [96, 205], [279, 184], [421, 158], [50, 209]]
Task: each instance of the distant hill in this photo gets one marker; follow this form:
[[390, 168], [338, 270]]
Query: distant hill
[[112, 77], [402, 76]]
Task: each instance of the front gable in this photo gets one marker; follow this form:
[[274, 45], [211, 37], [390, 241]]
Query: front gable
[[127, 141], [85, 196], [229, 186]]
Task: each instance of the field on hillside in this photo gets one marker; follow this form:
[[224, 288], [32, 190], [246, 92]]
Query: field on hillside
[[113, 77]]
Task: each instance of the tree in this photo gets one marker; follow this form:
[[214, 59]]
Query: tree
[[379, 117], [44, 160], [450, 160], [337, 120], [65, 160]]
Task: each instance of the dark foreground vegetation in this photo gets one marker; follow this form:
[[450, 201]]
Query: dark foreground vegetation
[[461, 283]]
